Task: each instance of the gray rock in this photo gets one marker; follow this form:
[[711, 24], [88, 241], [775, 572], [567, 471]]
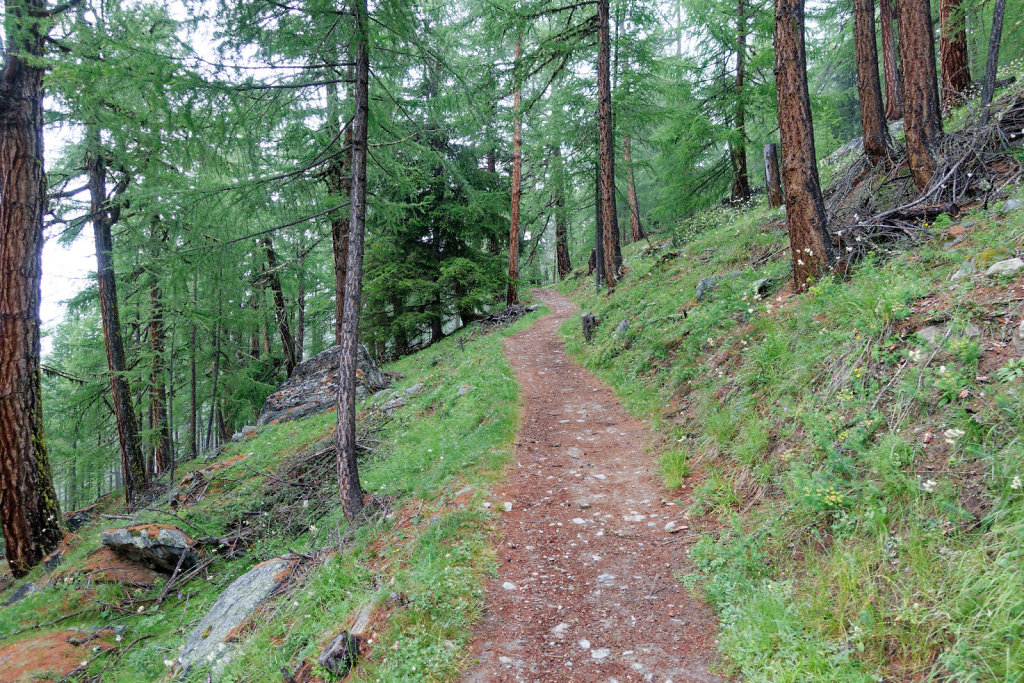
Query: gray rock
[[157, 547], [932, 334], [414, 390], [1012, 205], [712, 281], [621, 328], [393, 405], [465, 389], [24, 590], [972, 332], [207, 643], [1010, 266], [966, 269], [341, 654], [313, 386], [247, 431]]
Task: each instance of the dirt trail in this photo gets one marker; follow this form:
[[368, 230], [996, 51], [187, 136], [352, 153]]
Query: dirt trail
[[585, 588]]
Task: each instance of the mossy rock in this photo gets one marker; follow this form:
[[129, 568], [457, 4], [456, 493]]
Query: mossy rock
[[987, 256]]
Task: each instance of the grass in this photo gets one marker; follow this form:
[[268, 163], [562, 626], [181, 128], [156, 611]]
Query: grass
[[439, 455], [870, 480]]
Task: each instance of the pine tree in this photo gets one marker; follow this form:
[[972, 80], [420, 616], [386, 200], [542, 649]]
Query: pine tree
[[921, 91]]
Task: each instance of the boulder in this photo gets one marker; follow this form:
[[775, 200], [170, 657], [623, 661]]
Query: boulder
[[621, 328], [1010, 266], [1012, 205], [313, 386], [23, 591], [246, 432], [712, 281], [932, 334], [154, 545], [210, 641]]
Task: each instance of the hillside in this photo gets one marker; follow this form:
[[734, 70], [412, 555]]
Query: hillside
[[414, 568], [853, 455]]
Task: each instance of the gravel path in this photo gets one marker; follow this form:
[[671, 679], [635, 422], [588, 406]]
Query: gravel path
[[586, 588]]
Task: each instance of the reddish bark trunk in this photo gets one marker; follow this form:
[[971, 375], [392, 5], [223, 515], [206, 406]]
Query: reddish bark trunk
[[162, 450], [872, 114], [811, 244], [606, 147], [634, 205], [562, 265], [29, 511], [920, 88], [339, 184], [512, 296], [956, 74], [893, 78]]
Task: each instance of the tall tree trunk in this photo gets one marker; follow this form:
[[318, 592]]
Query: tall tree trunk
[[606, 147], [634, 205], [193, 404], [216, 368], [772, 179], [988, 90], [811, 244], [512, 296], [493, 244], [598, 252], [29, 510], [300, 303], [349, 488], [956, 73], [339, 183], [281, 310], [162, 450], [893, 77], [738, 148], [133, 463], [920, 88], [562, 265], [872, 114]]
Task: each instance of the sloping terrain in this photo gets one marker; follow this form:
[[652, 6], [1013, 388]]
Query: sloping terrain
[[411, 575], [861, 444]]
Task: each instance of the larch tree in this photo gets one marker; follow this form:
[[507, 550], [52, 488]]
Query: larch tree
[[349, 488], [104, 214], [634, 205], [989, 87], [563, 265], [606, 148], [872, 114], [29, 511], [512, 294], [953, 57], [738, 147], [920, 87], [890, 69], [810, 242]]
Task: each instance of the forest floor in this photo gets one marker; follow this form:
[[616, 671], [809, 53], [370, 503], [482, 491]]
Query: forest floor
[[586, 587]]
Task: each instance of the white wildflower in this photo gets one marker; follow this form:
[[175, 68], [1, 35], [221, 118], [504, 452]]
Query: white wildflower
[[1015, 484], [929, 485]]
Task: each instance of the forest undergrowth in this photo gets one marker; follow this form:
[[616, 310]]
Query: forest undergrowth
[[854, 454], [418, 560]]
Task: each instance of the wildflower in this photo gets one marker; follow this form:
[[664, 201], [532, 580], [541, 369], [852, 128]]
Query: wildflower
[[929, 485], [312, 527], [1015, 484], [799, 262], [954, 433], [168, 662]]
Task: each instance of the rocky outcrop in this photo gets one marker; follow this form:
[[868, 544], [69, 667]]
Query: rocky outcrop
[[154, 545], [313, 386], [210, 641]]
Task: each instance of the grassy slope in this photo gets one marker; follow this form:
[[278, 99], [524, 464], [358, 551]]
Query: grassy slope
[[432, 550], [868, 489]]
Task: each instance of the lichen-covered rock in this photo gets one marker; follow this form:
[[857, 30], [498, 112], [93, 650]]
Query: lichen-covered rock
[[209, 642], [154, 545], [313, 386]]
